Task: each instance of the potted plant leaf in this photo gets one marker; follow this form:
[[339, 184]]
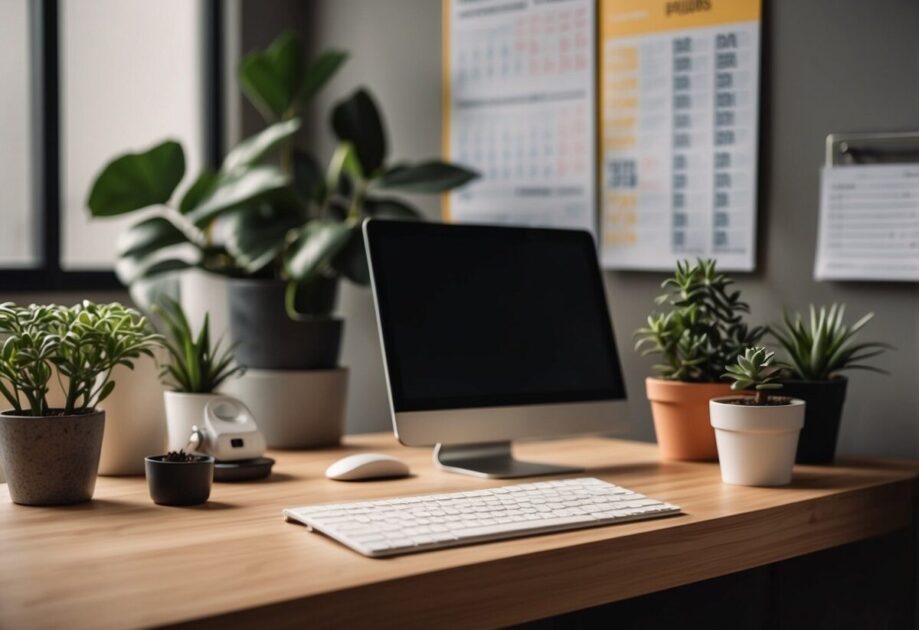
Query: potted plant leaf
[[193, 371], [701, 333], [818, 350], [757, 435], [51, 454]]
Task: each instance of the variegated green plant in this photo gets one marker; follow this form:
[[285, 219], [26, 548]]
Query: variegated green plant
[[824, 345], [194, 365], [703, 331], [754, 370], [79, 345]]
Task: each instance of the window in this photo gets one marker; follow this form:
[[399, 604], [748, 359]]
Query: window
[[93, 79], [18, 228]]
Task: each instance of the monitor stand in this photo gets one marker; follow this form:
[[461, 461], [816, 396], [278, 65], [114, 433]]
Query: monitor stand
[[493, 460]]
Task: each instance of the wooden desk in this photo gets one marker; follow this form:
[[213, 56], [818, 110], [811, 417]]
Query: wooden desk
[[121, 561]]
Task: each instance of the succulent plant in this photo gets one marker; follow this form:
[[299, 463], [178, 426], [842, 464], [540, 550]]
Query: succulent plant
[[754, 370], [825, 345], [79, 345], [703, 332]]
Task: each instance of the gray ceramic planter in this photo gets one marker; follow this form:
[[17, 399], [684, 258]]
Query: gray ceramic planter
[[51, 460]]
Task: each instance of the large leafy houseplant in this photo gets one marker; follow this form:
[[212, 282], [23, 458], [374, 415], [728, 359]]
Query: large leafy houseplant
[[50, 450], [281, 215], [700, 334], [818, 349]]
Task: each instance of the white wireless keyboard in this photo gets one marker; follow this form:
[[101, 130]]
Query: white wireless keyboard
[[391, 527]]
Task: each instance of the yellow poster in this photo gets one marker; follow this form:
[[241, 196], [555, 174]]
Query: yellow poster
[[679, 102]]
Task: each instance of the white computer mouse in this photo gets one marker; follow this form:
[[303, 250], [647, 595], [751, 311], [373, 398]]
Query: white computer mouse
[[366, 466]]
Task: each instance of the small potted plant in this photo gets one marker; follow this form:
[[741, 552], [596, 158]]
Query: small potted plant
[[757, 435], [697, 338], [179, 478], [193, 372], [817, 352], [51, 454]]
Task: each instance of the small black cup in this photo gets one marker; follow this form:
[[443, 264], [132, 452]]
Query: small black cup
[[179, 483]]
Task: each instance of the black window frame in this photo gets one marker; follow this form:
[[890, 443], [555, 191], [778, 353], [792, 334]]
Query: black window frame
[[44, 48]]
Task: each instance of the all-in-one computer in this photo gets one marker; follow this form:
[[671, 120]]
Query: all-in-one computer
[[492, 334]]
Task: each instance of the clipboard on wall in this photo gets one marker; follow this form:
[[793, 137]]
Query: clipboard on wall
[[519, 106]]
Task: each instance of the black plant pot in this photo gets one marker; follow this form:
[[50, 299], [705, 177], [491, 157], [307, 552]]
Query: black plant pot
[[268, 339], [817, 442], [179, 483]]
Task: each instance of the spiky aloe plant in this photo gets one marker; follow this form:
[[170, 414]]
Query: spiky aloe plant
[[754, 370], [825, 345], [194, 366]]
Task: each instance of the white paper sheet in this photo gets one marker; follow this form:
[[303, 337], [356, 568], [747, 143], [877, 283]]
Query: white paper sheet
[[869, 223], [679, 88], [520, 109]]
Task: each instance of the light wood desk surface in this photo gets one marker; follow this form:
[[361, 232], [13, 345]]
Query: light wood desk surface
[[121, 561]]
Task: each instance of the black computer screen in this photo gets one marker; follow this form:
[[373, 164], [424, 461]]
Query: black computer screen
[[481, 316]]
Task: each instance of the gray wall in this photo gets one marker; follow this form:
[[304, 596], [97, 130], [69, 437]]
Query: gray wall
[[828, 66]]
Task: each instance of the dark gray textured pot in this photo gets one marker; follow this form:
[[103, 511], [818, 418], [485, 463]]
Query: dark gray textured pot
[[51, 460], [270, 340]]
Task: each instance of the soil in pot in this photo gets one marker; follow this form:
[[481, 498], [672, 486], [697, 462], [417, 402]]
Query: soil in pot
[[681, 418], [52, 460], [268, 339], [179, 479], [822, 416]]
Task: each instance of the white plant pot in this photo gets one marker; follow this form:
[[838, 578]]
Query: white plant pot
[[756, 444], [134, 414], [203, 293], [183, 411], [295, 408]]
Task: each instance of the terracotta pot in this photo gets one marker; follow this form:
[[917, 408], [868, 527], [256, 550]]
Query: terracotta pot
[[681, 420]]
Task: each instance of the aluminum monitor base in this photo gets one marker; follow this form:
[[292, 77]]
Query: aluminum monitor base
[[492, 460]]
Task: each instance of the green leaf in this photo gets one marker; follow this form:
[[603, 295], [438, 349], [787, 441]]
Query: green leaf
[[272, 78], [255, 147], [107, 389], [137, 180], [433, 176], [313, 248], [308, 179], [351, 260], [320, 71], [357, 120], [149, 236], [130, 269], [200, 189], [256, 235], [343, 166], [388, 208], [238, 189]]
